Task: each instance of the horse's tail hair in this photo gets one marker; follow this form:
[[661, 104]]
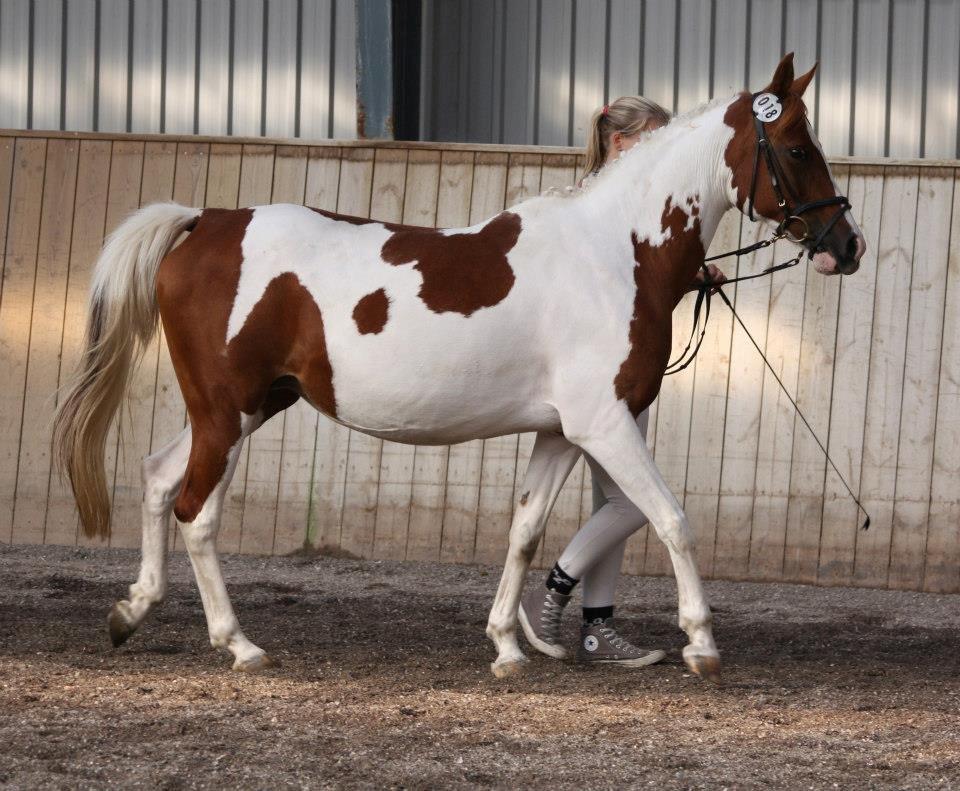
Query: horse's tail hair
[[121, 321]]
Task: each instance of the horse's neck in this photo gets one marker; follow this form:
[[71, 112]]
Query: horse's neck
[[679, 166]]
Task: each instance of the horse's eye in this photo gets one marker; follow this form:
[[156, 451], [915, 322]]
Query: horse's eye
[[798, 153]]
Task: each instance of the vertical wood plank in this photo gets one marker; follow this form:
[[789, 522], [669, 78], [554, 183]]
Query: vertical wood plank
[[429, 462], [331, 440], [498, 453], [136, 419], [742, 425], [396, 459], [814, 394], [942, 556], [499, 468], [88, 214], [45, 332], [849, 403], [462, 484], [19, 272], [263, 511], [702, 495], [239, 176], [169, 411], [559, 171], [784, 321], [366, 458], [363, 452], [918, 417], [249, 533], [885, 387]]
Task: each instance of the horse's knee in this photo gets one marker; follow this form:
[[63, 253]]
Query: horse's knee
[[524, 538], [674, 530], [159, 489]]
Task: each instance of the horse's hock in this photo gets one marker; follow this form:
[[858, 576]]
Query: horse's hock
[[874, 362]]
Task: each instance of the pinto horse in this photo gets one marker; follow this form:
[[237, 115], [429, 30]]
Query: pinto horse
[[553, 317]]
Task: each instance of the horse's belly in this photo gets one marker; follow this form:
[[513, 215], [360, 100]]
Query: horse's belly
[[419, 393]]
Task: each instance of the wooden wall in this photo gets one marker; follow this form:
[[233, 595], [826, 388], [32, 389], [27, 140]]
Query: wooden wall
[[873, 358]]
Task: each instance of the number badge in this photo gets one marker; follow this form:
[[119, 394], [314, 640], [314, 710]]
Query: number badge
[[767, 107]]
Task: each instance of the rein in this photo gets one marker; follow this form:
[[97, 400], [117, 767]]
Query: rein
[[790, 216]]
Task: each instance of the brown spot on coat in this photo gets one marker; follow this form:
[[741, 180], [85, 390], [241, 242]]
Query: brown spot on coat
[[282, 339], [662, 275], [462, 272], [524, 497], [370, 313]]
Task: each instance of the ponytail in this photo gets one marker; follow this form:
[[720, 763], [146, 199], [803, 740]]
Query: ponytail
[[627, 115]]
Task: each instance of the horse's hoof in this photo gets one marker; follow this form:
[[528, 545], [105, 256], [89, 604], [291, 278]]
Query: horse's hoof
[[707, 667], [255, 664], [509, 667], [119, 625]]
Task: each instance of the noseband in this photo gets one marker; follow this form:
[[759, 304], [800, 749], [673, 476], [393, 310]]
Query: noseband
[[791, 215]]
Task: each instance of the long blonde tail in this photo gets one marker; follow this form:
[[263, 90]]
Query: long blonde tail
[[121, 321]]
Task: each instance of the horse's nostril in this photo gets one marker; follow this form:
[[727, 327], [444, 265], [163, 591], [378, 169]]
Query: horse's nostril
[[853, 247]]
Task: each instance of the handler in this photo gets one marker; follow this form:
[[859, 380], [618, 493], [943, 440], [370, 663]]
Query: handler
[[595, 554]]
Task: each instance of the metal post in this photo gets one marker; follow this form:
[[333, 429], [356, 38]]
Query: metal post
[[374, 69]]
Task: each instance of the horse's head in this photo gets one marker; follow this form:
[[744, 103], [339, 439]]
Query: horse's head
[[779, 172]]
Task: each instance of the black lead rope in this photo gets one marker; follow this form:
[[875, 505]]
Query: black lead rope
[[866, 523], [706, 288]]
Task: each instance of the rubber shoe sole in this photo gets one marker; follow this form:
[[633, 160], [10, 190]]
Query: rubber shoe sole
[[650, 659]]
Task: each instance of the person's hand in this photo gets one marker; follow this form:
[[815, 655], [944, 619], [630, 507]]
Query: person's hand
[[715, 277]]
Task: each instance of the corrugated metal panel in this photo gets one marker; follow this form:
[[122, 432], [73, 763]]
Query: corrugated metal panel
[[888, 83], [283, 68]]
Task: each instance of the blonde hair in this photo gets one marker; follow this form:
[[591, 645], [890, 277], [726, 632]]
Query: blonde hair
[[628, 115]]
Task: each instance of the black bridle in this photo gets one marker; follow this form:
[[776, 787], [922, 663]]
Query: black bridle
[[791, 214]]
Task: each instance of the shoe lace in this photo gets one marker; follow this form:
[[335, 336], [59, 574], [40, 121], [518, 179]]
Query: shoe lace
[[618, 642], [550, 616]]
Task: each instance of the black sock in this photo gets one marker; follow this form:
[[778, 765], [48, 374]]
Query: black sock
[[559, 581], [595, 614]]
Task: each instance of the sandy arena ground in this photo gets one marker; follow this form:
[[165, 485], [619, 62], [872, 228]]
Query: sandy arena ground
[[384, 683]]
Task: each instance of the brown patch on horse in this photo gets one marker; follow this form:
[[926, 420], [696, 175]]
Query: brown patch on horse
[[462, 272], [660, 284], [281, 343], [370, 313]]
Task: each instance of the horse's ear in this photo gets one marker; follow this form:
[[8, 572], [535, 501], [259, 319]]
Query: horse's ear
[[782, 77], [800, 84]]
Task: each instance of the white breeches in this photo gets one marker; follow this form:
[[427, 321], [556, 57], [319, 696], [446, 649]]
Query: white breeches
[[595, 554]]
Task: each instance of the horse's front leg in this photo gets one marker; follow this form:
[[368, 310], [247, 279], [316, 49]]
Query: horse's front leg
[[550, 463], [617, 444]]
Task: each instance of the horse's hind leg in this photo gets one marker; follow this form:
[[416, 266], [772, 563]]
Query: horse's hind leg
[[550, 463], [162, 473], [200, 536]]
